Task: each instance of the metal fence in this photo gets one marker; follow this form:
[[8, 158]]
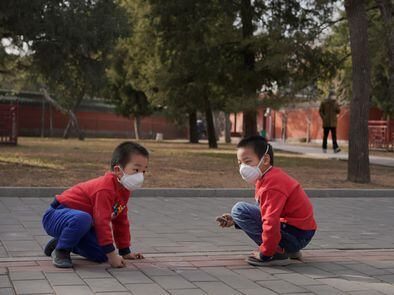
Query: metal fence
[[381, 135]]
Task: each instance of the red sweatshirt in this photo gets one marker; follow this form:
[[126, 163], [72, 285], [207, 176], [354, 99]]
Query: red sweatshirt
[[105, 199], [281, 199]]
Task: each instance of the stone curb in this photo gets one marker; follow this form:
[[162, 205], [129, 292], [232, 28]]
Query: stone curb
[[48, 192]]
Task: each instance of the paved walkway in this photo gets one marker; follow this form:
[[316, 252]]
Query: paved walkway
[[353, 252], [315, 152]]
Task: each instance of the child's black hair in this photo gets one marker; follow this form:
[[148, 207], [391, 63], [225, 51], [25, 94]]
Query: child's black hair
[[123, 152], [259, 145]]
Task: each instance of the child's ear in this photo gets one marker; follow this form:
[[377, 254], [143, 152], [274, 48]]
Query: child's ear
[[267, 160]]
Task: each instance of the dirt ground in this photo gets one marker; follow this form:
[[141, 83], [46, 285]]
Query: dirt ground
[[58, 162]]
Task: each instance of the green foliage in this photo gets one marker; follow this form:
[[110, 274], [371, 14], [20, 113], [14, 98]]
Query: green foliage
[[120, 91], [338, 43], [69, 42]]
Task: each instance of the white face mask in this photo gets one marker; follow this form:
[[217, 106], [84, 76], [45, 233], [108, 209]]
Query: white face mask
[[252, 173], [132, 181]]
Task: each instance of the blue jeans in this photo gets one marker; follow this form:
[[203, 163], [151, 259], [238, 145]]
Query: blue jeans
[[74, 231], [247, 217]]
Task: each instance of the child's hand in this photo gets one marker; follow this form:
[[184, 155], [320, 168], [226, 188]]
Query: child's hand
[[225, 220], [133, 256], [115, 260]]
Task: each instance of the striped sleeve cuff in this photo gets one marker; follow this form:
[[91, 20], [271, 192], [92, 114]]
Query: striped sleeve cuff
[[108, 248], [124, 251]]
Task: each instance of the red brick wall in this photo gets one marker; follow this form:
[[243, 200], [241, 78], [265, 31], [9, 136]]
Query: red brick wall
[[297, 123], [96, 123]]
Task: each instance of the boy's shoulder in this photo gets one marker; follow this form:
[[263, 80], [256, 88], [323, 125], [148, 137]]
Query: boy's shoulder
[[276, 180], [107, 182]]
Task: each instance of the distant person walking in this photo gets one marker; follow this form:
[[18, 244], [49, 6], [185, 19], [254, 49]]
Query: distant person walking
[[329, 109]]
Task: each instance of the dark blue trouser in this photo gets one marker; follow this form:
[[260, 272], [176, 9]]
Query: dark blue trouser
[[74, 231], [247, 217]]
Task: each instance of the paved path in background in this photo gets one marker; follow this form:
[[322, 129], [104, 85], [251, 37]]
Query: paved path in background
[[315, 152], [188, 254]]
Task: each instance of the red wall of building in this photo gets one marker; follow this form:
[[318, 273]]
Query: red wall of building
[[96, 123], [297, 123]]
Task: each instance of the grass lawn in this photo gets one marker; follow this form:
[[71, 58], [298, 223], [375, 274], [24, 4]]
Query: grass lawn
[[58, 162]]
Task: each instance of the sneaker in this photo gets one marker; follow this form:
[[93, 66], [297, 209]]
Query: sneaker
[[324, 151], [295, 255], [337, 150], [61, 258], [276, 260], [50, 247]]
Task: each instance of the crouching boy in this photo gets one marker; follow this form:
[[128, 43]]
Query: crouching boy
[[80, 219], [281, 221]]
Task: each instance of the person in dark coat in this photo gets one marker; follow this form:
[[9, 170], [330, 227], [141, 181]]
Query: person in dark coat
[[329, 109]]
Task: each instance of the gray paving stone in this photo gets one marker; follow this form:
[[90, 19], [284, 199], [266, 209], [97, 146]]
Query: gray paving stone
[[324, 290], [297, 279], [6, 291], [196, 275], [32, 287], [173, 282], [64, 278], [21, 245], [89, 272], [387, 278], [73, 290], [146, 289], [384, 288], [367, 269], [365, 293], [131, 277], [312, 272], [26, 275], [258, 291], [216, 288], [281, 287], [4, 281], [187, 292], [107, 285], [344, 285], [231, 278], [254, 274]]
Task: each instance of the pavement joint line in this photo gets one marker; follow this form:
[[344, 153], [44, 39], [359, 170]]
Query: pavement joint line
[[193, 254]]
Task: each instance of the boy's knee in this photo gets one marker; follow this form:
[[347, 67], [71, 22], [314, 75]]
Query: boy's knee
[[238, 209], [82, 221]]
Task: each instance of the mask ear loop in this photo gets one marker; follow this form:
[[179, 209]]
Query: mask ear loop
[[262, 159], [120, 168]]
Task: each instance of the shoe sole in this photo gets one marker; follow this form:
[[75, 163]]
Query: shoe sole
[[255, 262], [295, 257], [62, 265]]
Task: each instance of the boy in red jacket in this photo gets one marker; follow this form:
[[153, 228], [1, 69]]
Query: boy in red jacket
[[86, 218], [281, 221]]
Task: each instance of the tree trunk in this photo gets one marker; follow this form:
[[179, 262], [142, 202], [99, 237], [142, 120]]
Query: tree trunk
[[72, 117], [137, 127], [358, 163], [212, 142], [387, 10], [193, 132], [250, 123], [227, 128], [249, 116], [43, 117]]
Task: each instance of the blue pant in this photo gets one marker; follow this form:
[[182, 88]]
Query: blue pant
[[248, 218], [74, 231]]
